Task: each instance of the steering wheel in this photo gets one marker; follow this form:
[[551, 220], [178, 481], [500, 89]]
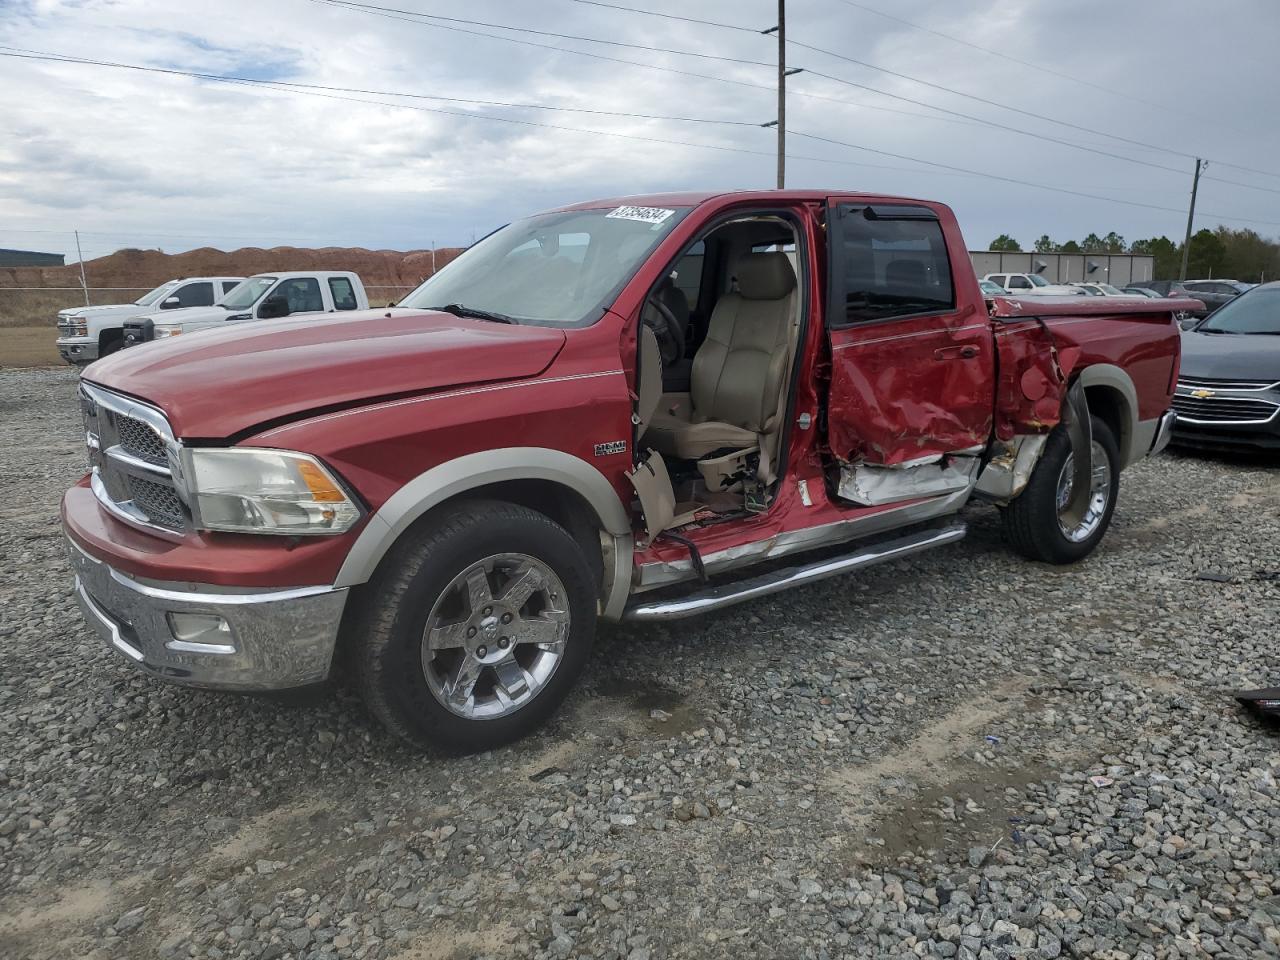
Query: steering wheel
[[666, 328]]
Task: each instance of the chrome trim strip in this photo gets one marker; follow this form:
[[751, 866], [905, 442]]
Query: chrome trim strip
[[717, 598], [121, 512], [108, 622], [464, 392], [191, 646], [662, 573], [1199, 383], [1164, 432], [132, 463], [1226, 398], [227, 599], [130, 408]]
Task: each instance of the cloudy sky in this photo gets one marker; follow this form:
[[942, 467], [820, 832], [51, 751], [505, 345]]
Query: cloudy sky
[[134, 158]]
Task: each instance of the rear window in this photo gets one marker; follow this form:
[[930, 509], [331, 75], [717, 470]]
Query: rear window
[[344, 297]]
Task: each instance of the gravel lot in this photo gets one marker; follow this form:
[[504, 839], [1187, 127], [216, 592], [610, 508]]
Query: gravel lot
[[886, 765]]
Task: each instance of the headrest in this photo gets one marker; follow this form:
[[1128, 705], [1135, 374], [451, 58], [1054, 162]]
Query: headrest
[[765, 276], [904, 273]]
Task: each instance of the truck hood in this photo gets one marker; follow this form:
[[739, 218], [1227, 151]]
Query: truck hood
[[103, 310], [1225, 356], [185, 314], [223, 382]]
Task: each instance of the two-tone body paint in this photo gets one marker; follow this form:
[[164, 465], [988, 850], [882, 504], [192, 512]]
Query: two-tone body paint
[[392, 405]]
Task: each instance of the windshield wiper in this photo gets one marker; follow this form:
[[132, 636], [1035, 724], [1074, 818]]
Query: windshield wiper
[[461, 310]]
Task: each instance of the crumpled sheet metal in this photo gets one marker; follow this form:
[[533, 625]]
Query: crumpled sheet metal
[[1009, 471], [871, 485]]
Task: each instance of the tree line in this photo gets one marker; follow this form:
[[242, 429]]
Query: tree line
[[1223, 252]]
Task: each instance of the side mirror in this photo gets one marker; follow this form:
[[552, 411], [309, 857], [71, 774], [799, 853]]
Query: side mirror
[[170, 303], [275, 306], [391, 304]]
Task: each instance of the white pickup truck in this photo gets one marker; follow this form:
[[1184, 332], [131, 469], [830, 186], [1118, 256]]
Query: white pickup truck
[[87, 333], [261, 297], [1032, 284]]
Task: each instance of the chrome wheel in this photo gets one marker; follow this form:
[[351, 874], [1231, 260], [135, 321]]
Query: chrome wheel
[[495, 636], [1099, 495]]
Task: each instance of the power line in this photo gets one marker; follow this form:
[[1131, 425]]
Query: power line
[[1019, 182], [428, 19], [229, 78], [667, 16], [1003, 56], [302, 90]]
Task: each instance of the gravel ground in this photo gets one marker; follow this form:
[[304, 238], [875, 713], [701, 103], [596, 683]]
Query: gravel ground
[[900, 763]]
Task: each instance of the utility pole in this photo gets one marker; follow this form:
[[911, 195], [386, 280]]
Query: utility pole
[[781, 120], [782, 94], [84, 284], [1191, 215], [433, 258]]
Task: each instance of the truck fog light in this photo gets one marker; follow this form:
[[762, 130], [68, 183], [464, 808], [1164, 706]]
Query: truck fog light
[[199, 633]]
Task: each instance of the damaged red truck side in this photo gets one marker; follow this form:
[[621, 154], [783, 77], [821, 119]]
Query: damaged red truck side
[[637, 409]]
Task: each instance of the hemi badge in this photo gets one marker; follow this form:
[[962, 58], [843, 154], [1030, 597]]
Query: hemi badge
[[613, 446], [1203, 394]]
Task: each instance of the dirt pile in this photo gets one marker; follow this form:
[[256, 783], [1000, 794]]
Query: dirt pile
[[387, 274]]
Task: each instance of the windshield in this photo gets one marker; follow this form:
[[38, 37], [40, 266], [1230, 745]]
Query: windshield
[[1037, 280], [147, 299], [554, 268], [1255, 312], [246, 293], [1109, 290]]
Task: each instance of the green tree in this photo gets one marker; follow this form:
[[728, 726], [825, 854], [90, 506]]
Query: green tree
[[1208, 255], [1167, 254], [1069, 247], [1113, 243], [1005, 244], [1045, 245], [1093, 244]]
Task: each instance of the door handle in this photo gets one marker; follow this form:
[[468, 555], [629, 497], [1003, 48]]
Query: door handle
[[966, 352]]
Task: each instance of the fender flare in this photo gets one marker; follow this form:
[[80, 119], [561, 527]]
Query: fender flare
[[453, 477], [1115, 378]]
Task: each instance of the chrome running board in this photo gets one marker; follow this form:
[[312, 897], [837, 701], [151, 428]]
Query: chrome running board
[[726, 595]]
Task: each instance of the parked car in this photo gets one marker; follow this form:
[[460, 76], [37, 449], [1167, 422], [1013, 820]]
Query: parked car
[[1141, 292], [1031, 284], [1095, 289], [1228, 392], [87, 333], [445, 496], [992, 289], [261, 297], [1174, 288], [1224, 287]]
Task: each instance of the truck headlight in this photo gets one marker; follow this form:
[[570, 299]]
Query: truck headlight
[[162, 332], [252, 490]]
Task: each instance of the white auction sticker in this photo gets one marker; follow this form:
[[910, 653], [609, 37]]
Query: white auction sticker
[[653, 215]]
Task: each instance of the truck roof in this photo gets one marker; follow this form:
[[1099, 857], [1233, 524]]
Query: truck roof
[[694, 198], [287, 274]]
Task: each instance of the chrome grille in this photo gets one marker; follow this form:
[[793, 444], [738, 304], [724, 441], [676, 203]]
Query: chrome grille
[[141, 440], [159, 501], [1209, 383], [1223, 409], [129, 458]]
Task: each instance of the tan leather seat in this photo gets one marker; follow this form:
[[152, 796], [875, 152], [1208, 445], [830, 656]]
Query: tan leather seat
[[739, 370]]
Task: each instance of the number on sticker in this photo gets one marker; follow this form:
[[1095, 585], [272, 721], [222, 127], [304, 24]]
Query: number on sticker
[[643, 214]]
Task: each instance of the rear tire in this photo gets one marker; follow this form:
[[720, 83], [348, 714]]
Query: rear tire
[[1032, 522], [475, 627]]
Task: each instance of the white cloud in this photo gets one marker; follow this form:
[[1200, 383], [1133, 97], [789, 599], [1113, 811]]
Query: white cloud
[[135, 158]]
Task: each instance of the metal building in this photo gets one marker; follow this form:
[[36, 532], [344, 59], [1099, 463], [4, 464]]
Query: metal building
[[30, 258], [1115, 268]]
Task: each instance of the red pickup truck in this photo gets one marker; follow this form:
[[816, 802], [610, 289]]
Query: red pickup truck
[[639, 409]]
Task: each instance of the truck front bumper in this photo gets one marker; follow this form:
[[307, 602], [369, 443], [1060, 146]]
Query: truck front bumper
[[78, 350], [210, 636]]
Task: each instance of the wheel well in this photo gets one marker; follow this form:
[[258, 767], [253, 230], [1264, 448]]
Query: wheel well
[[109, 336], [556, 501], [1110, 406]]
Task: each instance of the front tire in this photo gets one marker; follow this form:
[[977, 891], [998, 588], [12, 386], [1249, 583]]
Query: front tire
[[476, 627], [1033, 522]]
